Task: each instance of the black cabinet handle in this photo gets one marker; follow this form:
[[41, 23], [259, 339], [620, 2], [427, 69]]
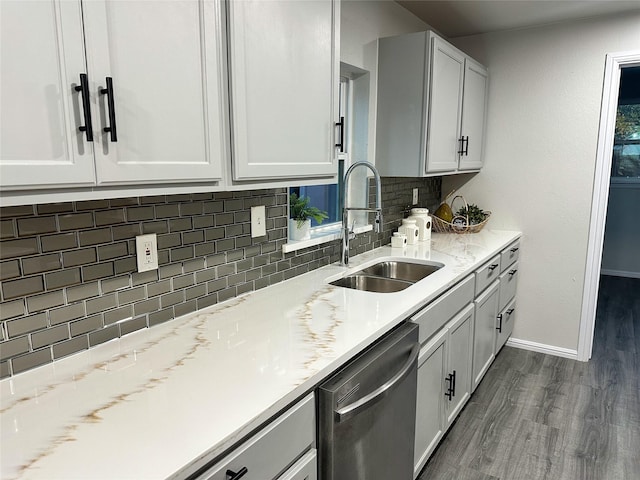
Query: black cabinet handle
[[466, 148], [513, 272], [493, 267], [83, 88], [510, 311], [236, 475], [341, 125], [461, 151], [514, 250], [453, 382], [451, 389], [499, 327], [112, 109]]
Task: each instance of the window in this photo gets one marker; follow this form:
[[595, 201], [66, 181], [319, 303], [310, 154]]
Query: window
[[354, 108], [626, 150]]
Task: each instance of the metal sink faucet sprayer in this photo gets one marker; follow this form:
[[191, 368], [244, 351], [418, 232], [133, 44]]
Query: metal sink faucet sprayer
[[348, 233]]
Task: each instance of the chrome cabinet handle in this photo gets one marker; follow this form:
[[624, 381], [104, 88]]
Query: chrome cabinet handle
[[83, 88], [236, 475], [353, 409], [112, 109]]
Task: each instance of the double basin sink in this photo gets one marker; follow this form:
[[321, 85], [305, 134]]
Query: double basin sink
[[388, 276]]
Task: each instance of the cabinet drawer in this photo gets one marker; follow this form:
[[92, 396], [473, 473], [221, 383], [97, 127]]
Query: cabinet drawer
[[489, 272], [304, 469], [436, 315], [508, 282], [270, 451], [504, 327], [510, 255]]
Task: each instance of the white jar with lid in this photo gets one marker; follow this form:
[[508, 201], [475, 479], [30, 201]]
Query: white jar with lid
[[410, 229], [423, 222], [399, 240]]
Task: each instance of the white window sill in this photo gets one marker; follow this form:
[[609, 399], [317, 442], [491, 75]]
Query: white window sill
[[321, 235]]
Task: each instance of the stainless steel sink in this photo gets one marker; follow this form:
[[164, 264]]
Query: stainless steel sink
[[398, 270], [371, 283], [387, 276]]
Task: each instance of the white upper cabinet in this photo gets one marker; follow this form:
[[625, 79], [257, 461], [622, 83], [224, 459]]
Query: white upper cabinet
[[165, 62], [165, 98], [431, 107], [476, 82], [284, 67], [445, 109], [41, 59]]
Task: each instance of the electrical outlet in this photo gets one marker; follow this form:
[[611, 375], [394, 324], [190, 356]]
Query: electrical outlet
[[415, 196], [258, 227], [147, 252]]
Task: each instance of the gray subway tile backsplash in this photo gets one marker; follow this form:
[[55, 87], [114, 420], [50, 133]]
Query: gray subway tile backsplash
[[69, 277]]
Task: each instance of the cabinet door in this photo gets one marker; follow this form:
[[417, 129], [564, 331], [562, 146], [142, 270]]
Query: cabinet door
[[447, 73], [473, 114], [166, 62], [430, 399], [41, 58], [284, 79], [459, 353], [504, 325], [486, 306]]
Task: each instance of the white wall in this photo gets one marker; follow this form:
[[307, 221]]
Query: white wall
[[542, 127]]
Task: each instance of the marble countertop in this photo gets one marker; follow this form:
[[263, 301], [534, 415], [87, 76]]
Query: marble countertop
[[161, 402]]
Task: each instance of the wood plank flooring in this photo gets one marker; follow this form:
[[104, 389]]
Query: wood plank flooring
[[540, 417]]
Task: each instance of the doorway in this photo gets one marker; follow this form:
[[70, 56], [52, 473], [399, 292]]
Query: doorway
[[615, 63]]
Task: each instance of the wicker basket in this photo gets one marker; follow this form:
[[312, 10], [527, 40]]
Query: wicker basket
[[459, 223]]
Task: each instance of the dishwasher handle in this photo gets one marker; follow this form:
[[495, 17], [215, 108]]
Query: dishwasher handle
[[353, 409]]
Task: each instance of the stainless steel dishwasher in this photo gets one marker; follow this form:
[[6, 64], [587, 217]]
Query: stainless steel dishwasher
[[367, 412]]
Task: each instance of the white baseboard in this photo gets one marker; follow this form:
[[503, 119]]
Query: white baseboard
[[542, 348], [619, 273]]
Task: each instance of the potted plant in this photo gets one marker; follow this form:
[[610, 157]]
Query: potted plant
[[301, 213]]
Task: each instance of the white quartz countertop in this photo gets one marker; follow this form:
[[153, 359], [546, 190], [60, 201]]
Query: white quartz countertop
[[160, 402]]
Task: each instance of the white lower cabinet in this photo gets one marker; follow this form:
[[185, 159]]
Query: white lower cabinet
[[486, 305], [430, 400], [504, 326], [283, 450], [444, 367], [459, 350]]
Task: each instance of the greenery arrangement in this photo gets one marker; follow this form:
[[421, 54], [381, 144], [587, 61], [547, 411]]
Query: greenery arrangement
[[475, 213], [300, 210]]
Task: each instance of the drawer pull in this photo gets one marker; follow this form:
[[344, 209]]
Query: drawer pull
[[513, 272], [492, 267], [510, 311], [236, 475], [499, 327], [514, 249]]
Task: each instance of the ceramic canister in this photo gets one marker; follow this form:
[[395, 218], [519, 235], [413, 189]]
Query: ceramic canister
[[398, 240], [410, 229], [423, 222]]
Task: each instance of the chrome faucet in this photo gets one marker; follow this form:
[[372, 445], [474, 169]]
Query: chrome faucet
[[348, 233]]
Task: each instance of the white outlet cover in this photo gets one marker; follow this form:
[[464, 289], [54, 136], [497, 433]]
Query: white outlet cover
[[147, 252], [415, 196], [258, 220]]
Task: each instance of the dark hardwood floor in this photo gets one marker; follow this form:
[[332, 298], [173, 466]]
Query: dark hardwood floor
[[537, 416]]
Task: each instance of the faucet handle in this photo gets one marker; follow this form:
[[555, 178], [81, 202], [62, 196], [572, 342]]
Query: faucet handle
[[377, 227]]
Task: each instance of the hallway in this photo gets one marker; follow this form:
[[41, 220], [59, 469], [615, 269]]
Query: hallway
[[537, 416]]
